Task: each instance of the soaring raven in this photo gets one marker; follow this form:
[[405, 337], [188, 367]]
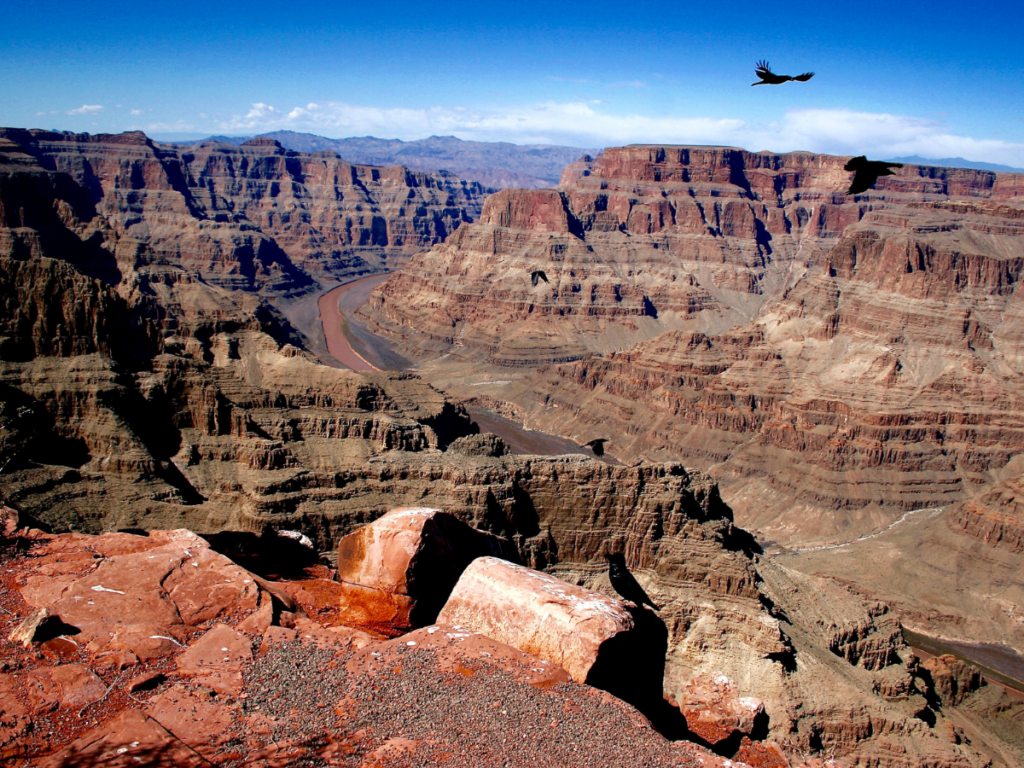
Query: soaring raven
[[624, 583], [597, 446], [538, 275], [866, 173], [769, 78]]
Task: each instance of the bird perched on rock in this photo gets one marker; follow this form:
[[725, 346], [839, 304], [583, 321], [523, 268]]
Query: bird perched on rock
[[866, 173], [768, 77], [597, 446], [624, 583], [537, 275]]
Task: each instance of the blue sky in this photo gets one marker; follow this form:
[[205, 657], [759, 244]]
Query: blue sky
[[935, 79]]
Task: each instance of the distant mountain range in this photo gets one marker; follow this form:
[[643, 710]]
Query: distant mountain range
[[494, 164], [955, 162]]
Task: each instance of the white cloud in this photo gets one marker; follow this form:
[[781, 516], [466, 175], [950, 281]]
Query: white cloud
[[86, 109], [51, 112], [137, 111], [261, 111], [587, 124]]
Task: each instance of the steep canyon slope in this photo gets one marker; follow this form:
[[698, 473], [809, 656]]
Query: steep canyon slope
[[833, 360]]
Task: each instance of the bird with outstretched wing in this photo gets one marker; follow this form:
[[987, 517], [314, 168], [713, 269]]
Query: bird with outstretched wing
[[597, 446], [537, 275], [866, 173], [764, 71]]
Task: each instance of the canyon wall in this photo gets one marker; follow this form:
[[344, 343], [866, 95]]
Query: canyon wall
[[832, 359], [255, 217]]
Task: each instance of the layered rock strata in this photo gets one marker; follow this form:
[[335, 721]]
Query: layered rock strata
[[995, 517], [255, 217], [835, 359], [284, 681], [172, 655]]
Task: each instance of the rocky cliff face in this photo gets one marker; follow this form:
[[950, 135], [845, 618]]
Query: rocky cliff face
[[848, 357], [255, 217]]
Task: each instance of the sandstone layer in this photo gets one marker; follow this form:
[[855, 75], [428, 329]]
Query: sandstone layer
[[401, 568], [834, 360], [203, 414]]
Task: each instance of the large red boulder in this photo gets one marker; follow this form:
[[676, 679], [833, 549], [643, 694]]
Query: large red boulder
[[536, 613], [397, 572]]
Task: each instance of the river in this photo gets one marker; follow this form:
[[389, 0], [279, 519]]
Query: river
[[354, 347]]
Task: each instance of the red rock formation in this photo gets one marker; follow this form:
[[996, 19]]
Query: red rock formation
[[996, 517], [397, 572], [536, 613], [715, 711], [311, 693], [949, 681]]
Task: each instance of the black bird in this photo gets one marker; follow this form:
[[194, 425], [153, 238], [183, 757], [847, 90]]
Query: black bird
[[770, 78], [624, 583], [866, 173], [597, 446], [537, 275]]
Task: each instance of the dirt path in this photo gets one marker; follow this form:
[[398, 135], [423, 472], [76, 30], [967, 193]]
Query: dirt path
[[332, 306]]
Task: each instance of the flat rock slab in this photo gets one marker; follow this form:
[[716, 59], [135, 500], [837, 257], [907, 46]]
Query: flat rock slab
[[397, 572], [128, 741], [200, 722], [141, 594], [536, 613], [216, 660], [69, 685]]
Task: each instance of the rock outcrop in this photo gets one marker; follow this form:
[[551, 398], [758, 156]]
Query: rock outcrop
[[949, 680], [398, 571], [249, 676], [995, 517], [567, 625], [834, 359]]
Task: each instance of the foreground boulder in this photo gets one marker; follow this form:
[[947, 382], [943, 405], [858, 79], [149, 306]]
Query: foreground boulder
[[398, 571], [537, 613]]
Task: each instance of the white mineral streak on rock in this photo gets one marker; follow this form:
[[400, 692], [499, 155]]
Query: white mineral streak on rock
[[536, 613], [99, 588]]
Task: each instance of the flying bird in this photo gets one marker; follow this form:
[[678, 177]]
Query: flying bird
[[866, 173], [768, 77], [537, 275], [597, 446], [624, 583]]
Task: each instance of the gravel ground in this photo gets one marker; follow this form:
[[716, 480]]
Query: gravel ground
[[479, 715]]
